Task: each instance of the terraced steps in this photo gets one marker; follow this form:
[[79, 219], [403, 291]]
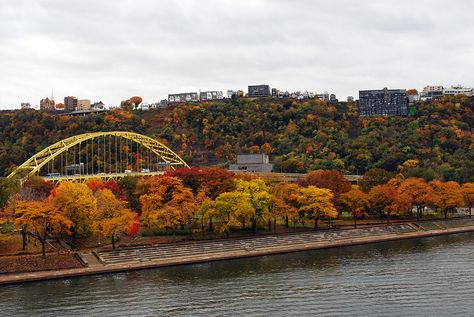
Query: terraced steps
[[187, 249]]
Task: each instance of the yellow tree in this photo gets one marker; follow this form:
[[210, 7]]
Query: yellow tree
[[112, 217], [231, 209], [356, 201], [259, 198], [42, 219], [448, 196], [316, 203], [468, 193], [77, 202]]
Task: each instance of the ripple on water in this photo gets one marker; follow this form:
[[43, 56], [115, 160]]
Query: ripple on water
[[406, 278]]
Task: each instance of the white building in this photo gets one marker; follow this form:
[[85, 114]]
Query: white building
[[429, 89], [458, 90]]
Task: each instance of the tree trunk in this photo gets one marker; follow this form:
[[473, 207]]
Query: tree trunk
[[470, 214], [294, 224], [74, 235], [254, 226], [274, 225], [210, 225], [287, 222], [445, 214], [24, 237], [174, 235], [269, 225], [316, 223], [43, 247], [388, 218], [113, 242], [355, 221]]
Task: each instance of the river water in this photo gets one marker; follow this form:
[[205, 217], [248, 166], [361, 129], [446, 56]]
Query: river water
[[424, 277]]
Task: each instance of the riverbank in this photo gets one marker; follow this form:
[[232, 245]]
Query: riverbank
[[139, 258]]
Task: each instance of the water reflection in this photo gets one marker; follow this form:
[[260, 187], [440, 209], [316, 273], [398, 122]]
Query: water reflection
[[413, 277]]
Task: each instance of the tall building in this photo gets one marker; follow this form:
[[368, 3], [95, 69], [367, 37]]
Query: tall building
[[259, 91], [350, 99], [384, 102], [83, 104], [47, 104], [70, 103]]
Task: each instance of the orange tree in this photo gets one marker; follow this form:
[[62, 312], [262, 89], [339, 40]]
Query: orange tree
[[42, 219], [284, 201], [383, 199], [77, 202], [447, 196], [419, 193], [169, 192], [356, 201], [316, 203], [111, 217], [468, 193], [330, 179]]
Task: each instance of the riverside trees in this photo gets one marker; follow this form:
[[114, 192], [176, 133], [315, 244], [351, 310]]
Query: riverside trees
[[185, 199]]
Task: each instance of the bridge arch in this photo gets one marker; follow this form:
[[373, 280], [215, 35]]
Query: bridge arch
[[34, 164]]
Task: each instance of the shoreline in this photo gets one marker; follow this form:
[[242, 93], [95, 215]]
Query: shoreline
[[16, 278]]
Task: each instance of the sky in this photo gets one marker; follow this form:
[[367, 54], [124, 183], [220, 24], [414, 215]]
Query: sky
[[112, 50]]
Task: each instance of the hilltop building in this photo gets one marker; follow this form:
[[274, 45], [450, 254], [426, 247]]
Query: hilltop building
[[211, 95], [70, 103], [183, 97], [254, 163], [384, 102], [25, 105], [458, 90], [83, 104], [258, 91], [47, 104]]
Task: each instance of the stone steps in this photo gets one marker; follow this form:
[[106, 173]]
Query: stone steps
[[187, 249]]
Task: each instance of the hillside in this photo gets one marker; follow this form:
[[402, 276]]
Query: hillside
[[435, 142]]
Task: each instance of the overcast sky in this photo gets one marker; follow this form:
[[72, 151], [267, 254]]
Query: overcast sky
[[111, 50]]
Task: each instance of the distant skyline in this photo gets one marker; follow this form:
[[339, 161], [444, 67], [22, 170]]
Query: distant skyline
[[112, 50]]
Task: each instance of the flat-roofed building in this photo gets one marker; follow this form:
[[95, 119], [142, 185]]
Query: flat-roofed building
[[255, 163], [259, 91], [83, 104], [211, 95], [70, 103], [383, 102], [458, 90], [183, 97]]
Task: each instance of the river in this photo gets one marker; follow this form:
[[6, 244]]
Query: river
[[423, 277]]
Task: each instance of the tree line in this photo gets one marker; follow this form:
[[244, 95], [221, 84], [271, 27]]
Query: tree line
[[214, 199]]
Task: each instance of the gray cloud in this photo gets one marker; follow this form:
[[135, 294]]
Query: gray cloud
[[110, 50]]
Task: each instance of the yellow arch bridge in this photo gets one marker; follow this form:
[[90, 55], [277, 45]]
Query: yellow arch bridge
[[100, 155]]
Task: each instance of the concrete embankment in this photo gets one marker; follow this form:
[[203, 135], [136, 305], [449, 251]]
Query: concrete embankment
[[128, 259]]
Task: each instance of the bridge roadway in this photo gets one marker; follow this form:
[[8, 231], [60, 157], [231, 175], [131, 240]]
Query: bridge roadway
[[276, 177], [82, 177], [251, 244]]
